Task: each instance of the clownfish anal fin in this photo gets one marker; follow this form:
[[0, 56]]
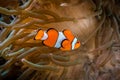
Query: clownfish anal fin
[[68, 34], [39, 34], [43, 43], [52, 37]]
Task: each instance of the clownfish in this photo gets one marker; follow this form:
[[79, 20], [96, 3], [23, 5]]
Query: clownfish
[[64, 40]]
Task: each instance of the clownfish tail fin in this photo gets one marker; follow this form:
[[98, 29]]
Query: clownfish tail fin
[[39, 35]]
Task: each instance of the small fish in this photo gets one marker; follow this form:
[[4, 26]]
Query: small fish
[[64, 40]]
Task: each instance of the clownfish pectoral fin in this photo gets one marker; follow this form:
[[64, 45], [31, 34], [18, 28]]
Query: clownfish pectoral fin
[[68, 34], [65, 45], [52, 37], [39, 34]]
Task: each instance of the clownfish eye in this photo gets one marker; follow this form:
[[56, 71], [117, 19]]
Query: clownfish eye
[[78, 42], [77, 45]]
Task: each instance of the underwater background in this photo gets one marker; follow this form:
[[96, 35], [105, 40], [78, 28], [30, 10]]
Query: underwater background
[[95, 23]]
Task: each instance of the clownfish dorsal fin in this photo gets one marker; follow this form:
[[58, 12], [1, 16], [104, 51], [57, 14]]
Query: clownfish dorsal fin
[[52, 37], [68, 34], [39, 34]]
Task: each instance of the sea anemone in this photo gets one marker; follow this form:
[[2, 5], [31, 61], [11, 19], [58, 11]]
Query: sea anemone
[[94, 22]]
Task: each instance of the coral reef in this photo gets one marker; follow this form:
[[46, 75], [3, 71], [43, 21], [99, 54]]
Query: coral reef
[[94, 22]]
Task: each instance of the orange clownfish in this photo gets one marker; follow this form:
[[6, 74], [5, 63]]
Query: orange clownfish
[[64, 40]]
